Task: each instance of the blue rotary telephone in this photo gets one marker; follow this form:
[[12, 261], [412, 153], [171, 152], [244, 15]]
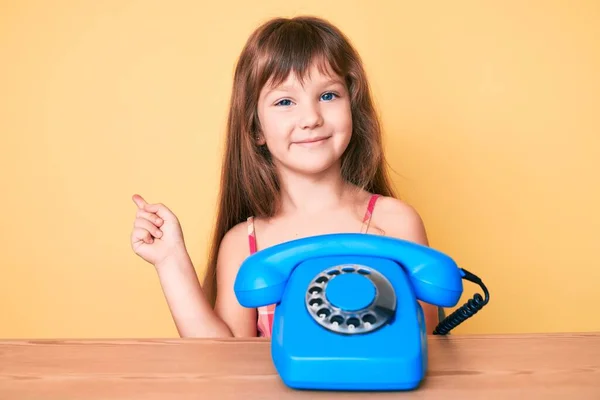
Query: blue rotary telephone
[[347, 316]]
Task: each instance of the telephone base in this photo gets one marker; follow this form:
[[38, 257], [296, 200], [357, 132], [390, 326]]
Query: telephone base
[[394, 369], [308, 356]]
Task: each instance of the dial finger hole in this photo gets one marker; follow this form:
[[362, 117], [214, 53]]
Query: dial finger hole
[[315, 290], [353, 323], [315, 302], [337, 320]]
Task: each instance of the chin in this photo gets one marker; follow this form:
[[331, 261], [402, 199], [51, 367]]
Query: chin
[[314, 167]]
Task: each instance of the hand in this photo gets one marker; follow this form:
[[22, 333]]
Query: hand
[[157, 234]]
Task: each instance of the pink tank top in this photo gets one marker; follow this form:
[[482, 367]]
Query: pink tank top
[[265, 313]]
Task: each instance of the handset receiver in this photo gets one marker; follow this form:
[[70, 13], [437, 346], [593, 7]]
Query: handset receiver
[[262, 277]]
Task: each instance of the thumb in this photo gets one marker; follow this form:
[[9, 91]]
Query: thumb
[[139, 201]]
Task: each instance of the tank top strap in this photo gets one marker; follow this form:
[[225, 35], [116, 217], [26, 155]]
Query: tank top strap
[[264, 314], [369, 213], [251, 235]]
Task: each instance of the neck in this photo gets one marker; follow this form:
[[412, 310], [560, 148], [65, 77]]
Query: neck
[[310, 194]]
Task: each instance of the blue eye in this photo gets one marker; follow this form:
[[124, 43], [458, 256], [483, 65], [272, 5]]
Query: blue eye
[[286, 101], [328, 96]]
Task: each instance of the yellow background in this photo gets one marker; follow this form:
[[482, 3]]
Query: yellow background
[[491, 119]]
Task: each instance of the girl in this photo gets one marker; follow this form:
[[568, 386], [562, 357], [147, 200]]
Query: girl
[[303, 157]]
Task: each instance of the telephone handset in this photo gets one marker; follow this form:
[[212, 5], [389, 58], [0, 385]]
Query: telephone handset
[[262, 278], [346, 315]]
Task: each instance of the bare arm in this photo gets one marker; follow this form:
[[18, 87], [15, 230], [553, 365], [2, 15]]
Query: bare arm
[[398, 219], [191, 311], [233, 251], [157, 237]]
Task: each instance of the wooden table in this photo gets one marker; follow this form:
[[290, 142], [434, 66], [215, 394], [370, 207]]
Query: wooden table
[[549, 366]]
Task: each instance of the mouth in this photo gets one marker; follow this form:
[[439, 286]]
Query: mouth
[[312, 141]]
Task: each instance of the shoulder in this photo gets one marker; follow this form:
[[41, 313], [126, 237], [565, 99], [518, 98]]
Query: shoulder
[[399, 219]]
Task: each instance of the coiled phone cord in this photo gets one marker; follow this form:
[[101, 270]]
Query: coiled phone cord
[[467, 310]]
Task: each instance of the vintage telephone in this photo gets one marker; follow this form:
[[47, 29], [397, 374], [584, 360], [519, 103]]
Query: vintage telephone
[[347, 316]]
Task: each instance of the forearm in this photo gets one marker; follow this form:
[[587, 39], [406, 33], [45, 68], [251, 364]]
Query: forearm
[[430, 312], [191, 311]]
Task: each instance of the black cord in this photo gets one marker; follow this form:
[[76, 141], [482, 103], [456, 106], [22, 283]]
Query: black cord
[[467, 310]]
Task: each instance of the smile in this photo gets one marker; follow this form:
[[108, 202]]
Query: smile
[[312, 141]]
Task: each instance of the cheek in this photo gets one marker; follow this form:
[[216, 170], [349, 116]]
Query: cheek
[[342, 118], [276, 127]]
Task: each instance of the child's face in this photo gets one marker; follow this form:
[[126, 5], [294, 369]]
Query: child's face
[[306, 128]]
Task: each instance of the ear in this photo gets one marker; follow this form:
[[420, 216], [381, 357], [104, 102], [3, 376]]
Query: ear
[[259, 139]]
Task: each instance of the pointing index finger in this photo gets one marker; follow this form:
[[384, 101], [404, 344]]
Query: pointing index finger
[[139, 201]]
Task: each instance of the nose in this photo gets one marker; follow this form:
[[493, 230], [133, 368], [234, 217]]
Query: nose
[[310, 116]]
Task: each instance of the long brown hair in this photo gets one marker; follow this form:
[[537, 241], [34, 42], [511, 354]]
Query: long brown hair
[[249, 185]]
